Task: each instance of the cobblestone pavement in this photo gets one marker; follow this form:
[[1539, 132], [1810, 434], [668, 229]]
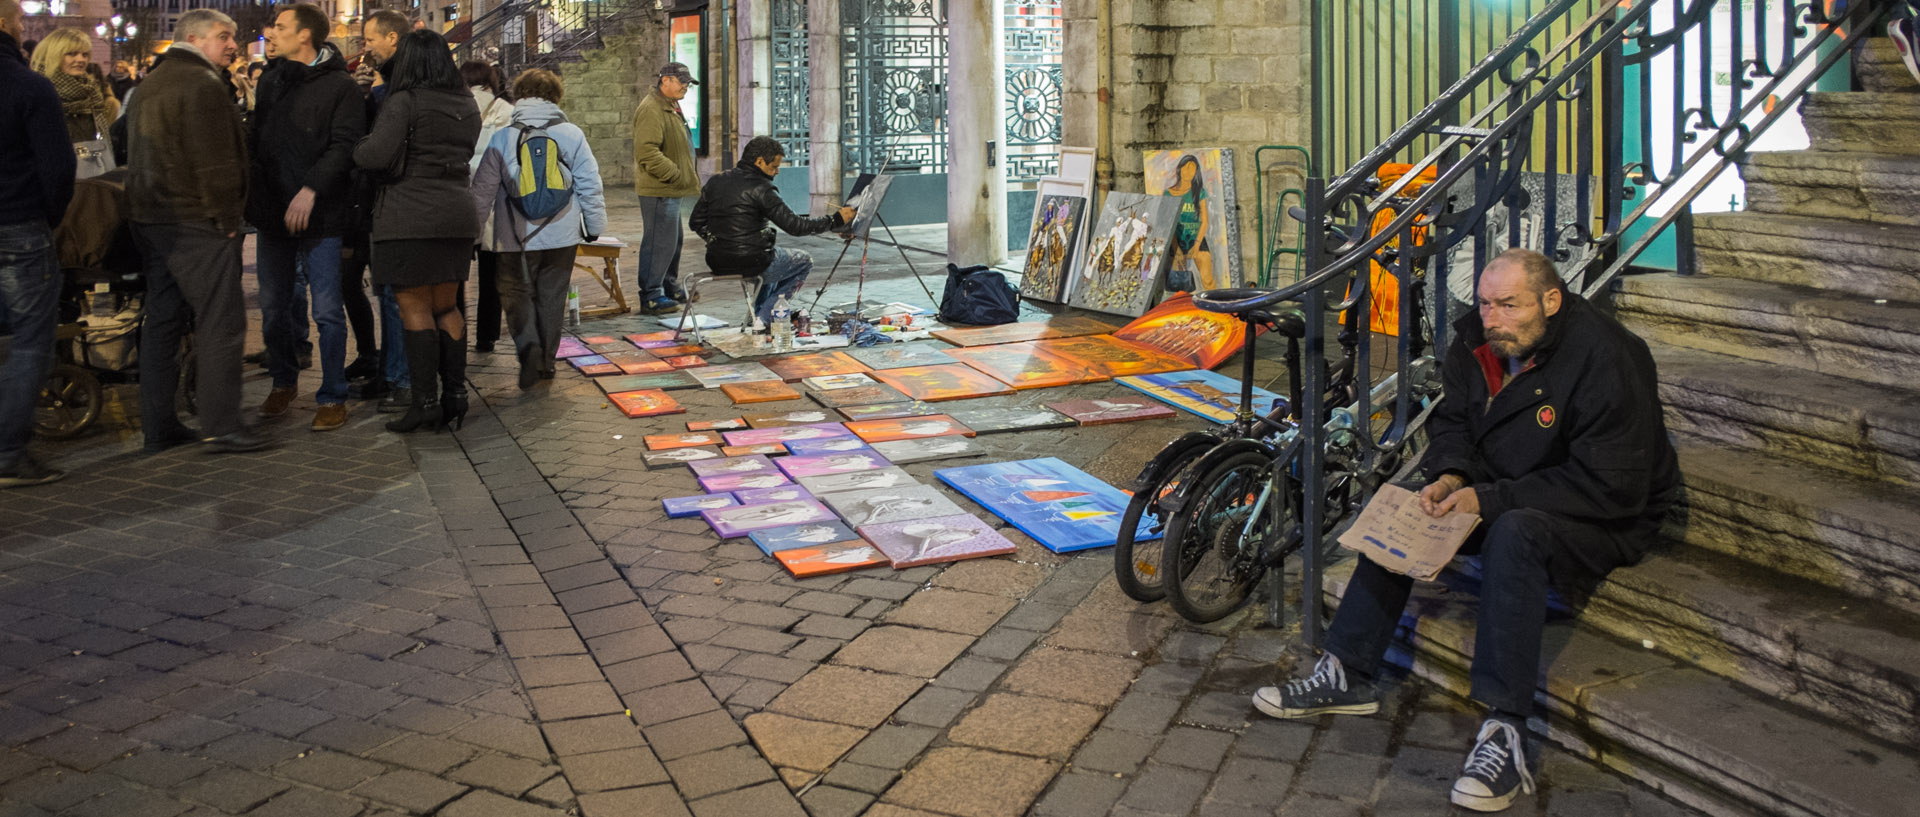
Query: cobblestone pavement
[[502, 622]]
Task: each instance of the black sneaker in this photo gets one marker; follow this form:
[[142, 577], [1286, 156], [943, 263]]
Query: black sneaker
[[28, 471], [397, 401], [1326, 691], [1496, 769]]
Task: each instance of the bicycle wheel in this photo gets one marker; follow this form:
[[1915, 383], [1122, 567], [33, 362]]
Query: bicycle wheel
[[68, 404], [1136, 565], [1212, 560]]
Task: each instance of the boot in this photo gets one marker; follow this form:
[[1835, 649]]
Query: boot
[[423, 359], [453, 381]]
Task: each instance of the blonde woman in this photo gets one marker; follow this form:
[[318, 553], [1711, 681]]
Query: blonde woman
[[62, 57]]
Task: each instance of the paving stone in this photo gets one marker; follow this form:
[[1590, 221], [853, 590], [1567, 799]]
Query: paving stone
[[349, 736], [835, 627], [1027, 725], [815, 650], [1275, 739], [755, 639], [972, 783], [1165, 790], [511, 776], [308, 803], [670, 702], [879, 589], [800, 744], [158, 768], [688, 736], [846, 695], [625, 645], [903, 650], [705, 658], [330, 770], [998, 577], [1108, 750], [935, 706], [1358, 736], [1077, 794], [832, 604], [535, 643], [831, 801], [1193, 748], [232, 790], [892, 746], [721, 770], [646, 673], [1337, 775], [428, 754], [535, 617], [1141, 713], [503, 734], [1089, 678], [771, 799], [618, 769], [82, 747], [555, 792], [590, 735], [951, 610], [557, 670], [411, 790], [869, 779], [575, 701], [252, 751], [971, 674], [619, 618], [488, 804]]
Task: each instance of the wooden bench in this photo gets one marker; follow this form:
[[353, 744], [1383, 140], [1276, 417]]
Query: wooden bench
[[608, 275]]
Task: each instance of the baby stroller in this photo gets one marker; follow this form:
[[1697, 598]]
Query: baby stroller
[[97, 338]]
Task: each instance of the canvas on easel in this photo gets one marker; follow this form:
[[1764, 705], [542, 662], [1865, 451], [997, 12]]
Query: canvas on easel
[[868, 192], [1206, 247], [1125, 262], [1052, 245]]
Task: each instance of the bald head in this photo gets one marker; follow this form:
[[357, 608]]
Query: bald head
[[1518, 292], [1537, 269], [11, 18]]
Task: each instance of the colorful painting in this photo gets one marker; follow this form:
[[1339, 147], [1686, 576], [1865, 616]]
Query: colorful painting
[[679, 456], [762, 496], [570, 347], [608, 346], [1067, 326], [789, 418], [598, 340], [750, 464], [1111, 410], [1010, 418], [770, 449], [675, 351], [1211, 395], [1178, 328], [685, 506], [900, 355], [908, 428], [818, 464], [1052, 245], [887, 410], [1026, 365], [648, 403], [824, 560], [714, 377], [760, 391], [812, 534], [734, 424], [900, 452], [787, 434], [843, 445], [665, 381], [739, 521], [874, 395], [888, 477], [639, 365], [1126, 257], [932, 384], [883, 505], [686, 362], [740, 482], [662, 442], [654, 340], [936, 540], [832, 382], [792, 369], [1060, 506], [589, 360], [1114, 358], [600, 369], [1206, 247]]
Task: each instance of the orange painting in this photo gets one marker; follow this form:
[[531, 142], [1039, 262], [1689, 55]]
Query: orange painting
[[1176, 327], [908, 428], [793, 369], [667, 442], [675, 351], [1026, 365], [1114, 358], [951, 381], [599, 369], [734, 424], [825, 559], [642, 366], [760, 391], [647, 403], [749, 450], [1067, 326], [686, 361]]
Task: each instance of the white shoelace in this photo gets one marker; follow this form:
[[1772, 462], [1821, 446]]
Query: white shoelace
[[1488, 754], [1327, 673]]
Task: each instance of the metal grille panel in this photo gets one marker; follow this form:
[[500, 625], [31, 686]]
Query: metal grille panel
[[788, 75], [895, 102], [1034, 86]]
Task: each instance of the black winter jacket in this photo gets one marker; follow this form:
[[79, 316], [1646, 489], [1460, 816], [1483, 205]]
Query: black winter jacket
[[306, 120], [733, 215], [1579, 434], [36, 159], [427, 135]]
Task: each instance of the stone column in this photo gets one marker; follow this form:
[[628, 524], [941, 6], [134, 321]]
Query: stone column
[[976, 132], [753, 82], [824, 177]]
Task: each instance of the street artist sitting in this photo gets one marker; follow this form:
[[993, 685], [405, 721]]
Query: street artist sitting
[[1551, 430], [733, 215]]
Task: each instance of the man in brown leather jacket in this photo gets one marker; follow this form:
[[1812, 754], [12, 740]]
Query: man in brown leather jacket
[[663, 174]]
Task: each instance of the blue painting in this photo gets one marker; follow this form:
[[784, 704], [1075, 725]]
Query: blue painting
[[811, 534], [1211, 395], [804, 448], [588, 360], [684, 506], [1060, 506]]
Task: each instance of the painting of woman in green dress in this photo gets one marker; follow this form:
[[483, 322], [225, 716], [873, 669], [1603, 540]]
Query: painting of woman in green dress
[[1192, 256], [1206, 247]]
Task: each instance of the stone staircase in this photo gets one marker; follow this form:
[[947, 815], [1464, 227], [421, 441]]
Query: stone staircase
[[1768, 662]]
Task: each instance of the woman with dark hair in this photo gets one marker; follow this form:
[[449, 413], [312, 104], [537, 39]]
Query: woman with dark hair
[[483, 79], [1191, 253], [423, 223]]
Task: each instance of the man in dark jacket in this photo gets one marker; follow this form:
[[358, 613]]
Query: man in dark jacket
[[732, 216], [1551, 430], [307, 116], [36, 182], [186, 190]]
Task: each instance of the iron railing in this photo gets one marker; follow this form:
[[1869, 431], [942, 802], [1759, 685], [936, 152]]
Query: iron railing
[[1530, 146], [563, 30]]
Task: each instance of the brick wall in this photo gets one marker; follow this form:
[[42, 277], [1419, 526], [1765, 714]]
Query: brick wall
[[603, 90]]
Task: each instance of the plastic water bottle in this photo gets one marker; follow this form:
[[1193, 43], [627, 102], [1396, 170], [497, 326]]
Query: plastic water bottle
[[573, 307], [782, 325]]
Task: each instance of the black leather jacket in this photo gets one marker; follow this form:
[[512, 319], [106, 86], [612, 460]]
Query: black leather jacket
[[733, 214]]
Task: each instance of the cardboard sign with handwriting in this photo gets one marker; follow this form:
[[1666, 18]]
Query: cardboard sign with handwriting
[[1397, 535]]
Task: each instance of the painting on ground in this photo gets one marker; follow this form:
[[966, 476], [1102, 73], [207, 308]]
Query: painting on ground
[[888, 477], [1126, 258], [900, 355], [738, 521], [684, 506], [997, 419], [1113, 357], [908, 428], [953, 381], [892, 505], [933, 541], [1211, 395], [1026, 365], [822, 560], [1060, 506], [1206, 245], [645, 403], [934, 448], [1178, 328], [824, 364], [666, 381], [811, 534], [1102, 411], [786, 434], [1052, 246]]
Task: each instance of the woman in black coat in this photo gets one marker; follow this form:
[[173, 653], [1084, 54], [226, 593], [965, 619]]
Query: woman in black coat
[[423, 220]]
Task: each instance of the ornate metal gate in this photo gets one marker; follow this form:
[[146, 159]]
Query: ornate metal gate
[[895, 103], [1034, 86], [789, 78]]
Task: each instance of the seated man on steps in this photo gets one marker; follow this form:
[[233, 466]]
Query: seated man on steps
[[1551, 430], [733, 215]]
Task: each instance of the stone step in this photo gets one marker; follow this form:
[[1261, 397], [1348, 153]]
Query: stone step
[[1867, 431], [1841, 335], [1837, 256], [1858, 536], [1700, 738], [1878, 67], [1862, 121], [1880, 188]]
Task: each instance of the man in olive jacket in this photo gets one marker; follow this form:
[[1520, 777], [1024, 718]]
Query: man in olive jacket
[[186, 190], [663, 174]]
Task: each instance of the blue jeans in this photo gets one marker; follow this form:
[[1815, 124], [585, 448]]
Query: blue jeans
[[783, 277], [29, 297], [659, 253], [393, 340], [280, 260]]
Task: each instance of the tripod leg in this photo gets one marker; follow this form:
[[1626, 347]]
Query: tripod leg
[[822, 291]]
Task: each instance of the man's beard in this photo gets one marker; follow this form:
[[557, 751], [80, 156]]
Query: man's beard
[[1509, 347]]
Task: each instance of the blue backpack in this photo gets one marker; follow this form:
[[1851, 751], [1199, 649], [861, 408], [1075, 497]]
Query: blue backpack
[[545, 184]]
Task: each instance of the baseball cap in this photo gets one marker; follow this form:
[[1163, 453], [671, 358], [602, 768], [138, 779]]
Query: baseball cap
[[678, 70]]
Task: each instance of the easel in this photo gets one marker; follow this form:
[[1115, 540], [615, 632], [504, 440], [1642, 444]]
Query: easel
[[866, 244]]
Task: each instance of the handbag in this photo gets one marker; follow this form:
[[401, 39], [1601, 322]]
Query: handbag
[[92, 157]]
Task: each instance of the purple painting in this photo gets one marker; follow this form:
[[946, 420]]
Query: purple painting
[[811, 534], [787, 434], [762, 496], [731, 522], [838, 445], [751, 464], [889, 477], [588, 359], [821, 464], [684, 506], [735, 482], [571, 347], [940, 539]]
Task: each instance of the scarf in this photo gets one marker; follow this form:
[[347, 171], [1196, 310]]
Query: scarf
[[81, 96]]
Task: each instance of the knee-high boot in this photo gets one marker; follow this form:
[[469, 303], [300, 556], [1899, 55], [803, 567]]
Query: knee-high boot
[[453, 380], [423, 360]]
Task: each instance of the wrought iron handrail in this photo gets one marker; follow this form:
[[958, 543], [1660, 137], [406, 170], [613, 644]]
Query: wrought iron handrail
[[1417, 218]]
